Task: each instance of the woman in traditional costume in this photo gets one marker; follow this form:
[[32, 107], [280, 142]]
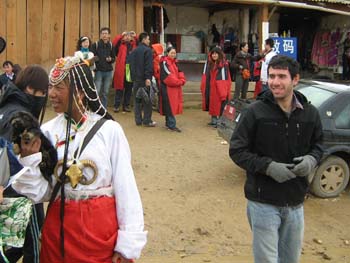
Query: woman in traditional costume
[[95, 213]]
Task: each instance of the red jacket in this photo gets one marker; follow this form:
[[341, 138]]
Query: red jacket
[[123, 49], [171, 82], [157, 52], [215, 86]]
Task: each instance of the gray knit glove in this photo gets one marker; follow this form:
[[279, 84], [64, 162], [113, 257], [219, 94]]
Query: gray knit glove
[[304, 165], [280, 172]]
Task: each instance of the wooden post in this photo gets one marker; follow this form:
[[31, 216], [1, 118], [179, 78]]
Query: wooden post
[[21, 38], [130, 15], [121, 17], [104, 13], [113, 21], [3, 27], [34, 27], [71, 31], [264, 25], [139, 16], [11, 28]]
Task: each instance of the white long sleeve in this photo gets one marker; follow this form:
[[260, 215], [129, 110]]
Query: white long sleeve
[[110, 151]]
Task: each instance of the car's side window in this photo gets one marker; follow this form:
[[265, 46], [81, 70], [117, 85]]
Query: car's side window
[[343, 119]]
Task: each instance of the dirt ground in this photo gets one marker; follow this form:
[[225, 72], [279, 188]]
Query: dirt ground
[[193, 199]]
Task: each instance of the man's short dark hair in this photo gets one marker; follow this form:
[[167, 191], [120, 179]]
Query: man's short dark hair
[[143, 36], [7, 63], [284, 62], [270, 42], [105, 29], [33, 76]]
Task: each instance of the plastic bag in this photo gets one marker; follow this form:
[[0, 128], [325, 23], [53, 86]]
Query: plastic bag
[[143, 94], [245, 73]]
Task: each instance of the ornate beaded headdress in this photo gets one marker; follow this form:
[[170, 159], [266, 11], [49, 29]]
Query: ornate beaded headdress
[[72, 67]]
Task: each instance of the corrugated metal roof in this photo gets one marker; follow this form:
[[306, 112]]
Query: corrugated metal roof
[[345, 2]]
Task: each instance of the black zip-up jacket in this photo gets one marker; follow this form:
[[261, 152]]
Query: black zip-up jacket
[[264, 134], [141, 63], [102, 51], [13, 100]]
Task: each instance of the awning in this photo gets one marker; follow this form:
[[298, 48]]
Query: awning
[[341, 8]]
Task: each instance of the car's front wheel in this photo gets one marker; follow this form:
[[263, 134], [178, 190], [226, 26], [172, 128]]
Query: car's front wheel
[[331, 177]]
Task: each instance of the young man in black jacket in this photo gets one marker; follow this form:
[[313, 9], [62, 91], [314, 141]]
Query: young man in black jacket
[[29, 95], [141, 63], [277, 141], [105, 52]]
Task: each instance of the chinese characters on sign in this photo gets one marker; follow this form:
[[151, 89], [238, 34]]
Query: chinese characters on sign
[[286, 46]]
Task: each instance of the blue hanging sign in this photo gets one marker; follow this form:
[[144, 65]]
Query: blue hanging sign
[[287, 46]]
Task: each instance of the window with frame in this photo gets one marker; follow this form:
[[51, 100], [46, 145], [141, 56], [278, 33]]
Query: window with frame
[[343, 119]]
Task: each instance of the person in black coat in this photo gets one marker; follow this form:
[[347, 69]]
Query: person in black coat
[[277, 141], [141, 65], [27, 94]]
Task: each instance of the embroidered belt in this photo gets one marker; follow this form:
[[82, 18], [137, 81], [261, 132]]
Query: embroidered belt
[[88, 194]]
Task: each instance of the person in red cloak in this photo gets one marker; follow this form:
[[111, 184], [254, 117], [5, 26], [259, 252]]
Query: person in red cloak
[[215, 84], [123, 45], [171, 82], [157, 53]]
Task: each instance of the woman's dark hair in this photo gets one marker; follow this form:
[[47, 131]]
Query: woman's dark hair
[[33, 76], [76, 74], [270, 42], [284, 62], [219, 52], [169, 49], [242, 45], [81, 40]]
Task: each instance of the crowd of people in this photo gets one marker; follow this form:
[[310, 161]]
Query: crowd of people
[[93, 174]]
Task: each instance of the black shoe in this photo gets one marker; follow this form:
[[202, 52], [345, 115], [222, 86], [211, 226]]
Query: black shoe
[[176, 129], [126, 109], [212, 124]]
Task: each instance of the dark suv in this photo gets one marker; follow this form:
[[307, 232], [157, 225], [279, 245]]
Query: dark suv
[[332, 100]]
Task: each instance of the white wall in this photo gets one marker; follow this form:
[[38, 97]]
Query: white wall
[[186, 20]]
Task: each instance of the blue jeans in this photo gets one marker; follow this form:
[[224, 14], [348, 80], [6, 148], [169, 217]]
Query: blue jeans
[[103, 82], [277, 232], [170, 122]]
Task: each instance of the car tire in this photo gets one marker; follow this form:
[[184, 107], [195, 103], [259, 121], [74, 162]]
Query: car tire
[[331, 177]]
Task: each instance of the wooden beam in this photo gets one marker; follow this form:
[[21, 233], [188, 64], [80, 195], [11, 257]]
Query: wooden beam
[[11, 28], [139, 16], [21, 32], [130, 15], [264, 20], [104, 13], [34, 27], [113, 21], [71, 31], [85, 18], [56, 29], [121, 24], [3, 34], [95, 24]]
